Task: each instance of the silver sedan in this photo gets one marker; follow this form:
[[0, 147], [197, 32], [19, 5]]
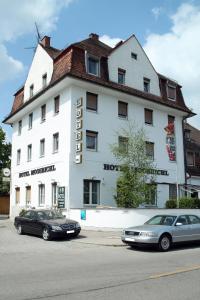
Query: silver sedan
[[163, 231]]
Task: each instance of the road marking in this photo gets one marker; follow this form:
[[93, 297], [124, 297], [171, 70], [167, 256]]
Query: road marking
[[178, 271]]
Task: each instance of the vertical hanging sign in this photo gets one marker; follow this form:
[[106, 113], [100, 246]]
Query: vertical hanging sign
[[79, 132], [171, 141]]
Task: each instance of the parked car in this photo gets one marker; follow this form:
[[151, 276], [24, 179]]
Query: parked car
[[46, 223], [163, 231]]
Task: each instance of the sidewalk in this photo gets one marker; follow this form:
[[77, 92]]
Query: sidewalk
[[89, 235], [102, 237]]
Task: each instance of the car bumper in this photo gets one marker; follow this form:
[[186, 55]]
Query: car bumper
[[134, 240], [64, 233]]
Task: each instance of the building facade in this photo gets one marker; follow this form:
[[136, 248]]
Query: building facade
[[70, 111]]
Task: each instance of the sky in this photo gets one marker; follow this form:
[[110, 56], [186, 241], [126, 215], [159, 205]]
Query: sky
[[168, 30]]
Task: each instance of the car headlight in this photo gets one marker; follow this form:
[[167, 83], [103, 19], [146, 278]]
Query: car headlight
[[78, 225], [56, 228], [148, 234]]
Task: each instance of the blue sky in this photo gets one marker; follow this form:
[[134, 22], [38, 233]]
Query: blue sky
[[167, 29]]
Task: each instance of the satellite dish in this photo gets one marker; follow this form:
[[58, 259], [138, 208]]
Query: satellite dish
[[6, 172]]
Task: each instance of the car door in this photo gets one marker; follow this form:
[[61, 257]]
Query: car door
[[26, 221], [195, 227], [182, 230]]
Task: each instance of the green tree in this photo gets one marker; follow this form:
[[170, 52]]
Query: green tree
[[135, 185], [5, 152]]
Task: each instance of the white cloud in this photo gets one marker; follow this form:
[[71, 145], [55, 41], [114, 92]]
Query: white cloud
[[156, 12], [176, 54], [17, 18], [109, 41]]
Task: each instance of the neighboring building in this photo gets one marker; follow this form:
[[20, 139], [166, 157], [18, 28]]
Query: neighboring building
[[66, 116], [192, 149]]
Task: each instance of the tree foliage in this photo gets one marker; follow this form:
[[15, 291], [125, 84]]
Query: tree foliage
[[5, 152], [134, 185]]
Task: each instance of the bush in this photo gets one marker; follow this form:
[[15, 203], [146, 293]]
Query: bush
[[171, 203], [187, 202]]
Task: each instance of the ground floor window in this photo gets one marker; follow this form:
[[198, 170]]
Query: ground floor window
[[28, 195], [172, 191], [91, 192], [54, 193], [17, 195], [41, 194]]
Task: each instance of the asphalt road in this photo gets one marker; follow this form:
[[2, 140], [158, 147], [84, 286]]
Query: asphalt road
[[31, 268]]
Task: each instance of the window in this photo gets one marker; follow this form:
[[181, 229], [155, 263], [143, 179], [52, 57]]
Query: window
[[28, 195], [91, 101], [41, 194], [43, 113], [54, 193], [91, 140], [197, 159], [17, 195], [190, 158], [91, 193], [20, 127], [183, 220], [187, 134], [123, 143], [42, 147], [172, 191], [134, 55], [146, 83], [121, 76], [93, 65], [171, 91], [122, 109], [29, 152], [150, 150], [55, 142], [194, 219], [148, 115], [30, 121], [18, 156], [171, 119], [56, 104], [44, 80], [31, 90]]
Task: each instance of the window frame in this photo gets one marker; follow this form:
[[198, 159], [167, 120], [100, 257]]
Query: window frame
[[42, 142], [121, 72], [30, 121], [97, 60], [54, 196], [41, 194], [171, 86], [147, 111], [29, 152], [17, 195], [90, 192], [123, 143], [89, 108], [44, 80], [56, 142], [56, 105], [148, 156], [43, 113], [18, 156], [95, 135], [28, 194], [31, 90], [20, 127], [146, 83], [120, 115]]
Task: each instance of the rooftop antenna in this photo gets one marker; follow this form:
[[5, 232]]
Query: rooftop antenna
[[38, 38]]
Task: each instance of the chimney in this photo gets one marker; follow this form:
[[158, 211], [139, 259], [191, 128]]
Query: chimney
[[45, 41], [94, 36]]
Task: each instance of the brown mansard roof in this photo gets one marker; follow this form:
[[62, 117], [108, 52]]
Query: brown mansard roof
[[71, 62]]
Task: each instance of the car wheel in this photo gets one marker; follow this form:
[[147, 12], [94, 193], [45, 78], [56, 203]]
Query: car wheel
[[46, 234], [164, 242], [19, 229]]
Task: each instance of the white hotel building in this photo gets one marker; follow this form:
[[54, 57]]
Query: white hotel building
[[66, 116]]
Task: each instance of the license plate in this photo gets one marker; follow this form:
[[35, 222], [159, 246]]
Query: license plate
[[70, 231], [129, 239]]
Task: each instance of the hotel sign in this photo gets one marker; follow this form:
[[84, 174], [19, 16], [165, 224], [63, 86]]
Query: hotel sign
[[109, 167], [37, 171], [79, 132]]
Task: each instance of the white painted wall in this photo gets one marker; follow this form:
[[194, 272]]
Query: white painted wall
[[136, 70], [42, 63], [122, 218]]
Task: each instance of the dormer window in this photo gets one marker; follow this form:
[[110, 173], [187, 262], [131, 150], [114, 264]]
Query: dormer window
[[121, 76], [31, 90], [93, 65], [146, 83], [171, 90], [44, 80]]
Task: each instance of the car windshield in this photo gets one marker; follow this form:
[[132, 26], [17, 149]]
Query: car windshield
[[166, 220], [49, 215]]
